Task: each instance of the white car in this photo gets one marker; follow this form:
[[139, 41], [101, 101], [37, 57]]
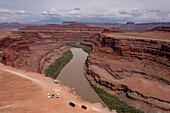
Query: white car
[[58, 95], [48, 96], [56, 81]]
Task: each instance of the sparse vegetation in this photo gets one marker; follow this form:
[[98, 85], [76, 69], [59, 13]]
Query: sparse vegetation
[[113, 102], [75, 44], [54, 69]]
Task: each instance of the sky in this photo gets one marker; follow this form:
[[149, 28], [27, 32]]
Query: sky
[[85, 10]]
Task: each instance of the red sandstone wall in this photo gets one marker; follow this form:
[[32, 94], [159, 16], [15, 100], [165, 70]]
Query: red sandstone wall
[[150, 57]]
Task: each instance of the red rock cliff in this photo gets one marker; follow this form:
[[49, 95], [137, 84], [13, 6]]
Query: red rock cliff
[[135, 68]]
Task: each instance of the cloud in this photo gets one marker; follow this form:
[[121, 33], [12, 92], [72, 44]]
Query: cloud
[[77, 9], [155, 10], [123, 12], [5, 11], [134, 14], [9, 12], [21, 12], [52, 12], [61, 13], [3, 18], [133, 10], [12, 15]]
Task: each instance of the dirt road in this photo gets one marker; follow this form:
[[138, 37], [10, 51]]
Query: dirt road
[[26, 92]]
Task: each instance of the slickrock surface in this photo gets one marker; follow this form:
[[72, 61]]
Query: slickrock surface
[[135, 66], [26, 92]]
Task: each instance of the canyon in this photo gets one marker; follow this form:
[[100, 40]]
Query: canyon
[[134, 66], [24, 54]]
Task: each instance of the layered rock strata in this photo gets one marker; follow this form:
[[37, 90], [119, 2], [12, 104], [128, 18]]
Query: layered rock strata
[[160, 29], [135, 68], [76, 26], [33, 50]]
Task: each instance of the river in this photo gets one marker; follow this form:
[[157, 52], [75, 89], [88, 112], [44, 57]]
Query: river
[[73, 76]]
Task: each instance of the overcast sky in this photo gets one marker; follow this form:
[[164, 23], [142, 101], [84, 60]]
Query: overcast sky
[[85, 10]]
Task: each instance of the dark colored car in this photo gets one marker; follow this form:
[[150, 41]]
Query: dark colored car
[[72, 104], [52, 96], [84, 107]]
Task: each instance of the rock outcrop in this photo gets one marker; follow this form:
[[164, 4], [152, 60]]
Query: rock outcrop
[[111, 30], [135, 68], [25, 50], [159, 29]]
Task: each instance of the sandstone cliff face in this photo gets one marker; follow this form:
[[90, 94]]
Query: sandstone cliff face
[[32, 50], [26, 50], [136, 69], [66, 35]]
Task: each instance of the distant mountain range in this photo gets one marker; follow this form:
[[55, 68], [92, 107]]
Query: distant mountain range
[[131, 26], [15, 25], [128, 27]]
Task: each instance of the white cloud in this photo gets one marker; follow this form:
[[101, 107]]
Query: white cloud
[[21, 12], [52, 12], [133, 14], [12, 15], [7, 12], [120, 10]]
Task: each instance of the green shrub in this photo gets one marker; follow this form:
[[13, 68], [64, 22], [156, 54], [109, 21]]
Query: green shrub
[[85, 48], [54, 69], [113, 102]]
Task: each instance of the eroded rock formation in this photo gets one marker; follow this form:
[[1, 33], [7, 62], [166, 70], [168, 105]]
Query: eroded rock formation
[[32, 50], [160, 29], [25, 50], [135, 68]]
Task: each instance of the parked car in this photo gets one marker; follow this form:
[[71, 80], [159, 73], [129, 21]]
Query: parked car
[[58, 95], [56, 81], [52, 96], [84, 107], [48, 96], [72, 104]]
